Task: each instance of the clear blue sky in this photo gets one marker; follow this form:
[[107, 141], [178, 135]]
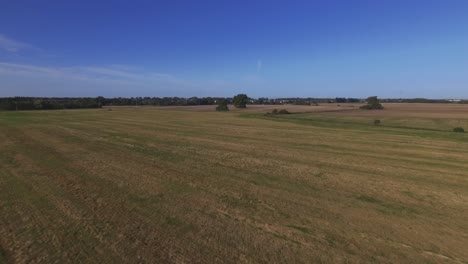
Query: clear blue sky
[[348, 48]]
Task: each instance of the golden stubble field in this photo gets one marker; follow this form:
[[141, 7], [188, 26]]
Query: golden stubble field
[[161, 185]]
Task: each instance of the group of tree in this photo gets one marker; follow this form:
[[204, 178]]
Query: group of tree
[[239, 101], [222, 105], [372, 103]]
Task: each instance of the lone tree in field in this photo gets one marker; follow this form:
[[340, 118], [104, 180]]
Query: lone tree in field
[[222, 105], [372, 103], [240, 101]]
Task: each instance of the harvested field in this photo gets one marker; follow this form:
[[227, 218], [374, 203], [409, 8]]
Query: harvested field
[[155, 185], [268, 108], [421, 110]]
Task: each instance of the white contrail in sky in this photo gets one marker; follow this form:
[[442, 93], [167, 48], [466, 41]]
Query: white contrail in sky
[[259, 65]]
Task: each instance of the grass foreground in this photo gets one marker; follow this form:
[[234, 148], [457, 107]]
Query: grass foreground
[[151, 185]]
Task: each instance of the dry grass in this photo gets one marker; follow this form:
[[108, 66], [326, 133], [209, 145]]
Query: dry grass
[[147, 185]]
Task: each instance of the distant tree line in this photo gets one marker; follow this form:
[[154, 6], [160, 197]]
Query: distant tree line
[[46, 103], [41, 103], [304, 100], [163, 101], [244, 99], [347, 100], [241, 100], [424, 100]]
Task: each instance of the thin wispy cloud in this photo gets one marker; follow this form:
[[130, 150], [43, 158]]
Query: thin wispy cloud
[[110, 80], [111, 72], [13, 68], [259, 65], [128, 72], [79, 72], [11, 45]]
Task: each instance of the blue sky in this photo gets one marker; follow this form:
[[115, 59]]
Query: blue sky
[[220, 48]]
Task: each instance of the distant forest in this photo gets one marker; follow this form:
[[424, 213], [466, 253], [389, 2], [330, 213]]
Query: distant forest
[[46, 103]]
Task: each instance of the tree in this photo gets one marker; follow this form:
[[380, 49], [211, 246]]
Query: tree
[[100, 101], [222, 105], [372, 103], [240, 101]]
